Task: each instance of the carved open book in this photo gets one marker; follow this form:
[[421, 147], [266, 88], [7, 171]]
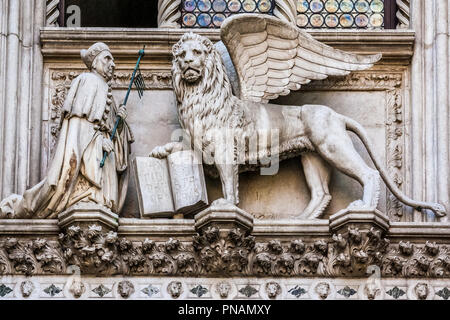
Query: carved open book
[[172, 185]]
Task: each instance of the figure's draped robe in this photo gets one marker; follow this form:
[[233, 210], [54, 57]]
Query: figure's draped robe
[[74, 174]]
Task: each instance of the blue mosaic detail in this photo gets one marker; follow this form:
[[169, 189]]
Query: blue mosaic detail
[[347, 292], [199, 291], [4, 290], [297, 291], [356, 14], [444, 293], [101, 290], [150, 290], [248, 291], [52, 290], [396, 292], [211, 13]]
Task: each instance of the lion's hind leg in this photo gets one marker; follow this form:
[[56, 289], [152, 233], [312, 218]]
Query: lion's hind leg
[[336, 147], [317, 174], [340, 152]]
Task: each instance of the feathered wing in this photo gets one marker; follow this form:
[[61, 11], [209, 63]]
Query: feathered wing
[[272, 57]]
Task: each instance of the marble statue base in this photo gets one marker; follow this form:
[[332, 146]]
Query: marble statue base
[[88, 214], [224, 216], [362, 218]]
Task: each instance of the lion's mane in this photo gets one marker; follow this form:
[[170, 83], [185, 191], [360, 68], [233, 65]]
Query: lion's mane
[[210, 101], [209, 104]]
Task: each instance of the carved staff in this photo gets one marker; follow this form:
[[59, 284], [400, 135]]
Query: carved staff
[[138, 80]]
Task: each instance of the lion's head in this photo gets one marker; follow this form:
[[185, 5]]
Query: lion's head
[[190, 55], [197, 67]]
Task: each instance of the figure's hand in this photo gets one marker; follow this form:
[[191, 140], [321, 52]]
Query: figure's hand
[[108, 145], [122, 112]]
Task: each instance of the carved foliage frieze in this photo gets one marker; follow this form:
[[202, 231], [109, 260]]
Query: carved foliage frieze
[[224, 255], [346, 254], [92, 250], [410, 260], [29, 257]]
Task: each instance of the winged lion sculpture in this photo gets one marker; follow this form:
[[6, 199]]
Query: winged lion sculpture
[[271, 58]]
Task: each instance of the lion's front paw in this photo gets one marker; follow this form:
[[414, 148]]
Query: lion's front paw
[[159, 152]]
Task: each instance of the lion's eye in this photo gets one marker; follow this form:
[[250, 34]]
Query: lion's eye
[[197, 52]]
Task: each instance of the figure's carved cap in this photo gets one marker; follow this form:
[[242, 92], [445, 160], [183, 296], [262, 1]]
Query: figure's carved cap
[[88, 56]]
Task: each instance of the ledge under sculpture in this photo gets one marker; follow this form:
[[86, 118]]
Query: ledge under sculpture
[[74, 176], [240, 133]]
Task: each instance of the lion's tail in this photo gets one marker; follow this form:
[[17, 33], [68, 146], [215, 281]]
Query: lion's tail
[[355, 127]]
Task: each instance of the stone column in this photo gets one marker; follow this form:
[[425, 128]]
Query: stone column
[[52, 13], [10, 101], [3, 40], [21, 81], [37, 104], [286, 10], [169, 13], [430, 104], [403, 14]]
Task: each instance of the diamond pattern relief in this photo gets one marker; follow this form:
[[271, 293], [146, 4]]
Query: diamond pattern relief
[[52, 290], [444, 293], [4, 290], [396, 292], [248, 291], [150, 290], [199, 290], [297, 291], [347, 292], [101, 290]]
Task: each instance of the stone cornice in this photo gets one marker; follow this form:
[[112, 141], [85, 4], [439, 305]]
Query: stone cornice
[[135, 228], [65, 43], [29, 227], [220, 244], [417, 230]]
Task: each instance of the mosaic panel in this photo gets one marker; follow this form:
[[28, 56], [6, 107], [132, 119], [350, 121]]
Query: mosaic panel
[[344, 14], [211, 13]]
